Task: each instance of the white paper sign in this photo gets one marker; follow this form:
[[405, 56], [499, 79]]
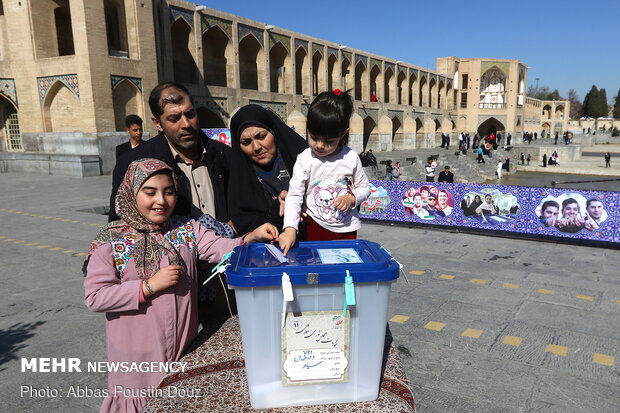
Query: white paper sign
[[321, 364], [315, 347], [339, 256]]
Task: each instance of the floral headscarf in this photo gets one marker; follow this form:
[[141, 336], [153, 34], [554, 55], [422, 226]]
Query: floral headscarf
[[149, 241]]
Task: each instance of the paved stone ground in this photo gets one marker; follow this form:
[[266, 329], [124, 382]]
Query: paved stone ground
[[488, 324]]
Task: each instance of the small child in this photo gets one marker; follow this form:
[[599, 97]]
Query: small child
[[141, 270], [328, 177]]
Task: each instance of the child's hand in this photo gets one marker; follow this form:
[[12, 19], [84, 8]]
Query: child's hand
[[164, 278], [287, 239], [345, 202], [265, 233]]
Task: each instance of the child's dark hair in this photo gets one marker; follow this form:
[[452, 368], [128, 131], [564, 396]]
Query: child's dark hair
[[329, 114], [133, 120]]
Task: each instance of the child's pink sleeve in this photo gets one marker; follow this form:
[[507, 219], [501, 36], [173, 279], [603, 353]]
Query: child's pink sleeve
[[103, 290], [212, 247]]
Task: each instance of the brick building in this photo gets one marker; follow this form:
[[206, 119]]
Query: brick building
[[71, 70]]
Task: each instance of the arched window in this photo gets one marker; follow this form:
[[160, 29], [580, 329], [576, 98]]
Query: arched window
[[249, 52], [9, 122], [115, 27], [182, 42], [217, 57], [127, 100], [301, 70], [493, 89], [360, 68]]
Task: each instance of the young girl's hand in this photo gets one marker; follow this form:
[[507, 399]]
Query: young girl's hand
[[287, 239], [265, 233], [164, 278], [345, 202]]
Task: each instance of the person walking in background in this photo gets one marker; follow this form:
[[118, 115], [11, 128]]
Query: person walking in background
[[529, 158], [556, 139], [480, 157], [545, 160], [133, 123], [522, 159], [498, 172], [608, 160]]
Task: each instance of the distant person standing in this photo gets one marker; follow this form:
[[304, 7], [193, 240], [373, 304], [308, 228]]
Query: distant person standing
[[133, 123], [430, 170], [508, 139], [529, 158], [544, 160], [522, 159], [446, 175], [556, 138], [498, 172], [608, 160], [388, 171]]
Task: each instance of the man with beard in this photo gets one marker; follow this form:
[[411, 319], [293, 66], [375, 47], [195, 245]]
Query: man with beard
[[201, 164]]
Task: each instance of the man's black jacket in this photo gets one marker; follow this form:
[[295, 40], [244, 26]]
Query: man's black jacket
[[217, 160]]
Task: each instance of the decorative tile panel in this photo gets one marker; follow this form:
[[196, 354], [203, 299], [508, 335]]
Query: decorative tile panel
[[210, 21], [375, 62], [278, 108], [332, 51], [390, 65], [217, 105], [503, 66], [135, 80], [362, 59], [46, 82], [348, 56], [301, 43], [317, 48], [245, 30], [176, 12], [7, 89], [276, 37]]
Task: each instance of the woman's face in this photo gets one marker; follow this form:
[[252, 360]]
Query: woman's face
[[258, 144], [156, 198], [477, 198]]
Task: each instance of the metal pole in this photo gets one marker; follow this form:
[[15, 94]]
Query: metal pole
[[536, 94]]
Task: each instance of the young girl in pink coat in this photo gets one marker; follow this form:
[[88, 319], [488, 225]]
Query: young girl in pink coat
[[141, 271]]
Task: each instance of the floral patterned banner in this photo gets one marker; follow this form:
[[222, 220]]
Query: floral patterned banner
[[545, 212]]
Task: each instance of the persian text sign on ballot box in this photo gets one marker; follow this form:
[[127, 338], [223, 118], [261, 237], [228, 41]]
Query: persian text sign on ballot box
[[324, 343]]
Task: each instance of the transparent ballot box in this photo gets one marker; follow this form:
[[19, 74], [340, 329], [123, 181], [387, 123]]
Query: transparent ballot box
[[313, 327]]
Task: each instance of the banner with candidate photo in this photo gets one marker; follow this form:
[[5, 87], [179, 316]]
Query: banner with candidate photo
[[545, 212]]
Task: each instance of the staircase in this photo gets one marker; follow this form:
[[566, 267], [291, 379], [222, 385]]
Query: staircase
[[465, 168]]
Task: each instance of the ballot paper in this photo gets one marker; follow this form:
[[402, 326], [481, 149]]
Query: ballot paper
[[276, 252]]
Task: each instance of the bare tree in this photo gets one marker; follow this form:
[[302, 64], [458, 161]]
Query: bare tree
[[576, 107]]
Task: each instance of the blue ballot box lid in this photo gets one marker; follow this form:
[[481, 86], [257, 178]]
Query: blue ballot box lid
[[312, 262]]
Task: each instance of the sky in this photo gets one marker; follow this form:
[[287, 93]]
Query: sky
[[566, 44]]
